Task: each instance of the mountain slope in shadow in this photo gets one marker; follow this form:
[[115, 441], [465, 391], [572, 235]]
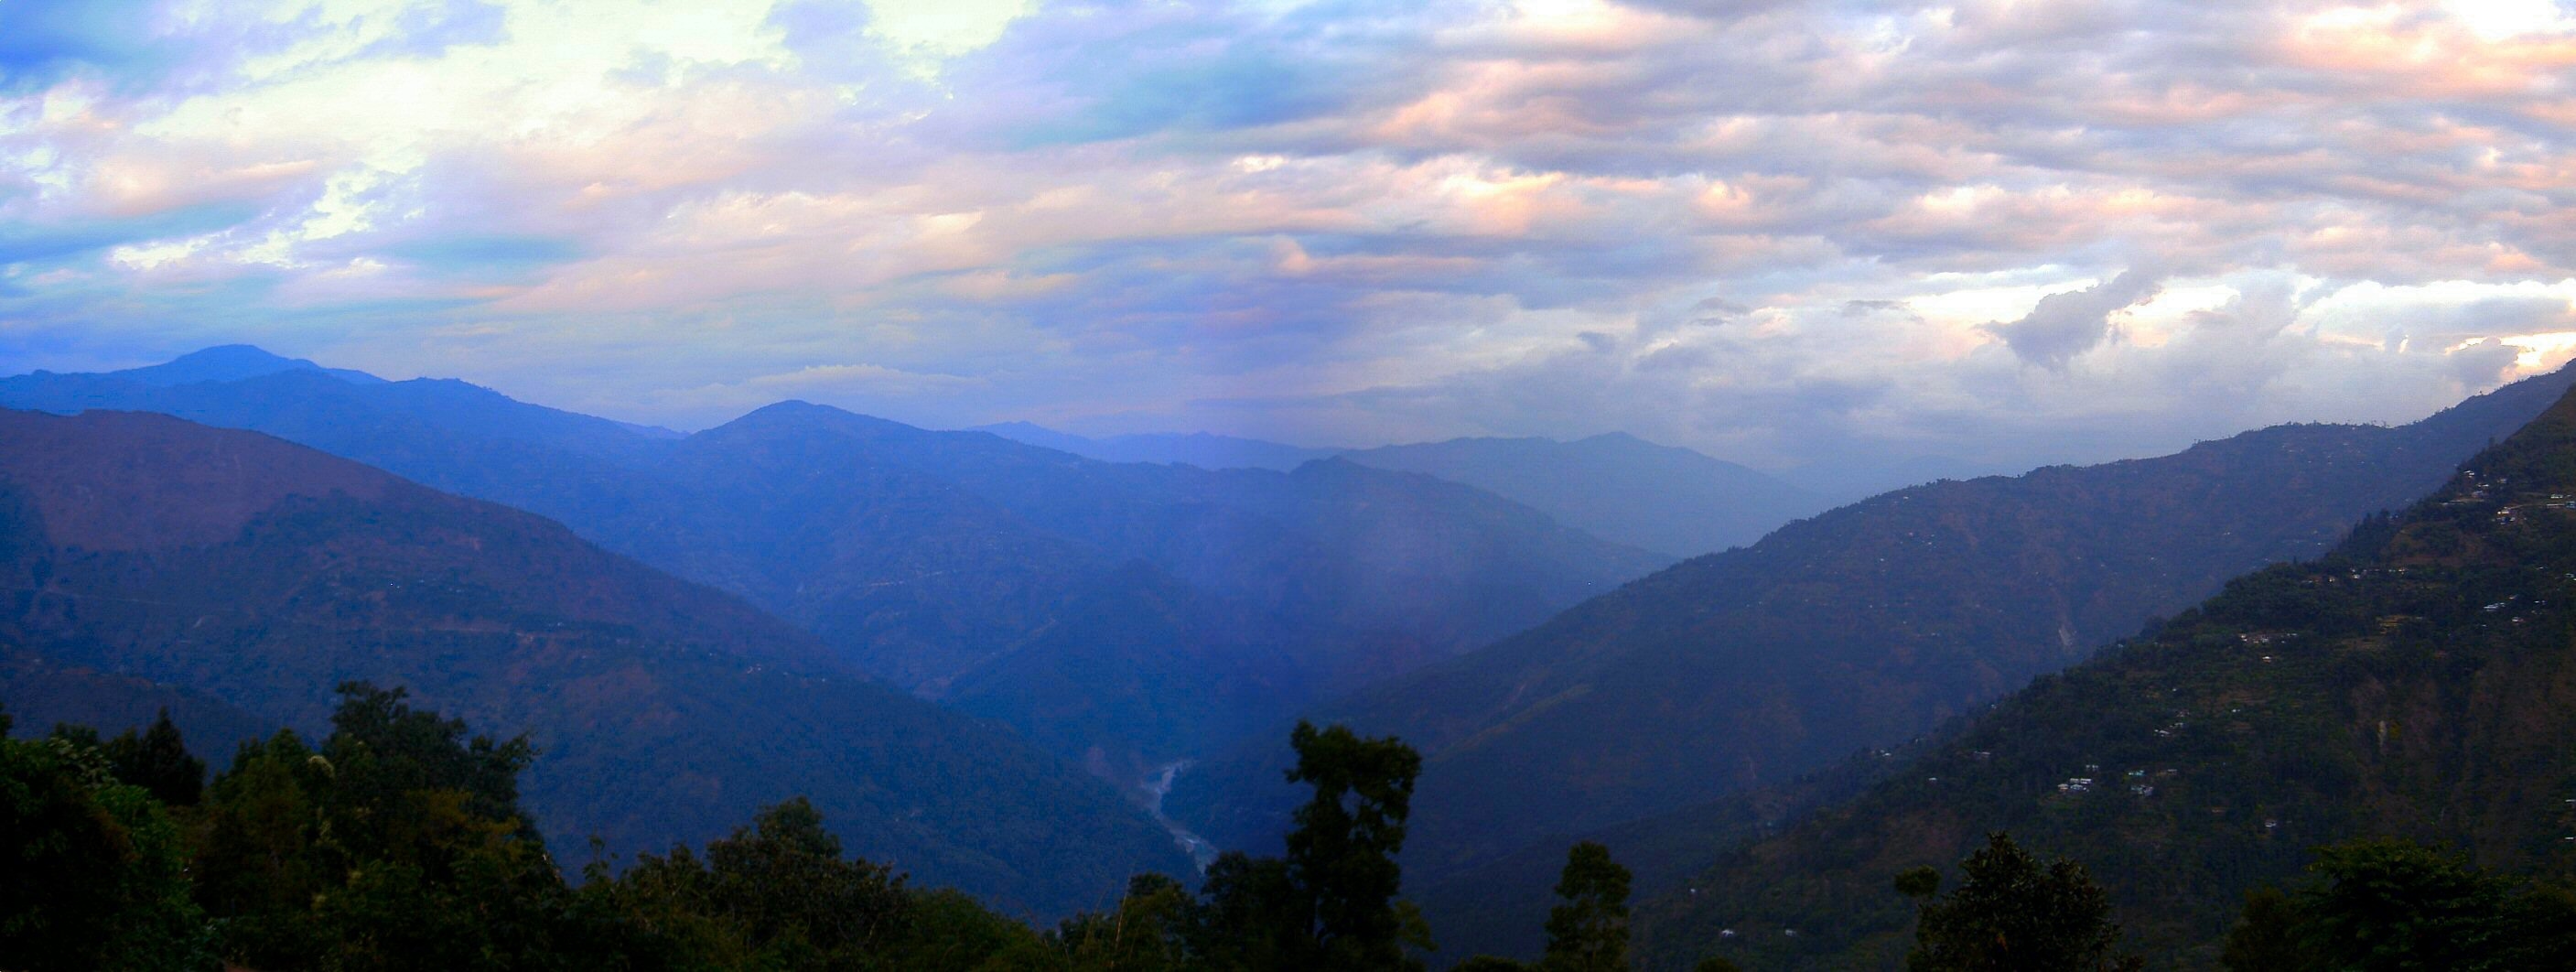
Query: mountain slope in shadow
[[263, 574], [2419, 682], [1000, 577], [1858, 628]]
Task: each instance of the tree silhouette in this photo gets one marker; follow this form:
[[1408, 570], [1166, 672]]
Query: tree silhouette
[[158, 761], [1342, 852], [1589, 932], [2011, 914]]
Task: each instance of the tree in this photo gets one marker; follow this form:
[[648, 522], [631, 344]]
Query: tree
[[1332, 902], [776, 894], [2376, 905], [2388, 904], [784, 879], [1252, 917], [1589, 932], [1143, 935], [2010, 913], [1341, 853], [92, 874], [398, 845], [260, 859], [2266, 939], [158, 761], [381, 747]]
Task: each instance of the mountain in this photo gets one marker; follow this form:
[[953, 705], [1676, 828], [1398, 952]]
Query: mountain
[[1858, 628], [1127, 615], [1615, 486], [41, 693], [1500, 905], [1331, 542], [2419, 682], [232, 362], [1858, 475], [263, 574], [1202, 449]]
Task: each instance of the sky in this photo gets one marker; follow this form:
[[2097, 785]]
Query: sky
[[1788, 234]]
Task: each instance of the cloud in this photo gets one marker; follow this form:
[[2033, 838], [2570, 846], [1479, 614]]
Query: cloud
[[48, 40], [2064, 325], [1779, 231]]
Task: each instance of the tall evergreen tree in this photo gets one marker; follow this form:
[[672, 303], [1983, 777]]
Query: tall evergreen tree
[[158, 761], [1589, 931], [1332, 902], [1342, 851]]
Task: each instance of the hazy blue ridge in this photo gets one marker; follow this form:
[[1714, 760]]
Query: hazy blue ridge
[[970, 568], [1855, 629]]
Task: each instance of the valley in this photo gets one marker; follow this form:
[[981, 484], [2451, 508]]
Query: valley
[[1141, 633]]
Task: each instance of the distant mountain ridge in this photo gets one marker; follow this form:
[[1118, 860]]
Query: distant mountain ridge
[[1206, 450], [2419, 682], [262, 574], [998, 576], [232, 362], [1615, 486], [1857, 628]]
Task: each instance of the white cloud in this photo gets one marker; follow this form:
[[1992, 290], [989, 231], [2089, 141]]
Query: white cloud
[[1773, 231], [942, 29]]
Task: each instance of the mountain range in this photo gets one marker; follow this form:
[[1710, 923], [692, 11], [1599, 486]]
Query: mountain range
[[147, 556], [1206, 450], [936, 633], [1124, 615], [1615, 486], [1856, 629], [2418, 682]]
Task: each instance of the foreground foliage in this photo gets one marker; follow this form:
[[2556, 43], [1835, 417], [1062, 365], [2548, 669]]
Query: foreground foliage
[[397, 842], [2010, 912], [2388, 905], [92, 873]]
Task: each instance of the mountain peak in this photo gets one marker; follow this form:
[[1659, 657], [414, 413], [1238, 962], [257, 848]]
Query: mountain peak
[[232, 362], [797, 414], [1615, 438]]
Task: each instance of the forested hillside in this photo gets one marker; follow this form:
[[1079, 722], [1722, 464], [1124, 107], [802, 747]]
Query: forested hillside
[[258, 573], [42, 691], [1858, 628], [2419, 682]]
